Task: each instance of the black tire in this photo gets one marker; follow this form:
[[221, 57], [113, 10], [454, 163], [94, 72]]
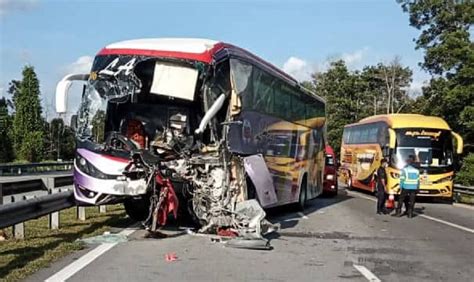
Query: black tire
[[303, 195], [137, 208]]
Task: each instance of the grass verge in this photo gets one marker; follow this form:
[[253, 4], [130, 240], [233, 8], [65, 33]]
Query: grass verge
[[42, 246]]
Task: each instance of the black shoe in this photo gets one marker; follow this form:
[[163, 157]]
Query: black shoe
[[379, 212]]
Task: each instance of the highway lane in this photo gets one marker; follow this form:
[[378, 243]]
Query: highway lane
[[329, 242]]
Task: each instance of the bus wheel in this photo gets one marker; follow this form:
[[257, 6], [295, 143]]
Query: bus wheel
[[137, 209], [302, 198]]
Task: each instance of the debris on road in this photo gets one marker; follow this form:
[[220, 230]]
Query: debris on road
[[105, 238], [169, 257]]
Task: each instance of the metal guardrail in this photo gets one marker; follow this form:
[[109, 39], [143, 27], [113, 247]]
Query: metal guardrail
[[18, 212], [19, 169], [463, 190], [35, 183], [34, 206]]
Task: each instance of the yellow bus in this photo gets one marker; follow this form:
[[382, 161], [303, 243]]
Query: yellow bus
[[293, 152], [395, 137]]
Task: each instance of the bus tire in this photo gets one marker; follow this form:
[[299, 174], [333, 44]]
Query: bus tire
[[303, 196], [137, 208]]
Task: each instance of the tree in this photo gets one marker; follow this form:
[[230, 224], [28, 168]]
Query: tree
[[353, 95], [27, 121], [387, 85], [59, 140], [449, 56], [345, 98], [6, 154]]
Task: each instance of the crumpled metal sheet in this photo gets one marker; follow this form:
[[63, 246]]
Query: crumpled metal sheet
[[257, 170]]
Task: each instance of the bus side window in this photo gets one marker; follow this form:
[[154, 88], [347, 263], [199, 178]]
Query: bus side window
[[263, 92], [241, 80]]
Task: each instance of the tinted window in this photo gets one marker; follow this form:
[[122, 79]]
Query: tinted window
[[263, 92]]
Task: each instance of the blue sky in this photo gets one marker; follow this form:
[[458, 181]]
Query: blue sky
[[58, 36]]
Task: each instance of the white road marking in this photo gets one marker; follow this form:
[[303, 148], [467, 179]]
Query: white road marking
[[448, 223], [302, 215], [424, 215], [86, 259], [367, 273]]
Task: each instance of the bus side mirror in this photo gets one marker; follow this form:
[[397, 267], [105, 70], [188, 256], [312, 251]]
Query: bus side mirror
[[459, 142], [62, 90], [392, 138], [73, 123]]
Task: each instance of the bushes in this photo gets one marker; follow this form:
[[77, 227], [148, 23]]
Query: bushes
[[466, 174]]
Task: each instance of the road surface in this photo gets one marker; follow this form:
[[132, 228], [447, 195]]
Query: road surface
[[335, 239]]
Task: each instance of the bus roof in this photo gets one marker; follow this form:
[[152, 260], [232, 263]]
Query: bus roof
[[197, 49], [407, 121]]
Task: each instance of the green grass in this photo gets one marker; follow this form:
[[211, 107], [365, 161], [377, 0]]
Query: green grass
[[42, 246]]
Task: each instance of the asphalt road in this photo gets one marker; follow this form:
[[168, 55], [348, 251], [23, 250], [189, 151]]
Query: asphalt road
[[336, 239]]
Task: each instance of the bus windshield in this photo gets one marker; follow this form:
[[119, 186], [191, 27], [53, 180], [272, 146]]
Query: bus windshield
[[432, 148], [120, 84]]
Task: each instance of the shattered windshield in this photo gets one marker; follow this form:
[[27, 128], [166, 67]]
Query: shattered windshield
[[119, 79], [111, 80]]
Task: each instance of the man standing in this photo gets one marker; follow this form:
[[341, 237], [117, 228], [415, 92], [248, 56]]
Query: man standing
[[381, 178], [409, 184]]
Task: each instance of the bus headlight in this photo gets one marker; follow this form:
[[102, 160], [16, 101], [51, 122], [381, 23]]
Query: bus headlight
[[330, 177], [444, 179], [395, 175], [86, 167]]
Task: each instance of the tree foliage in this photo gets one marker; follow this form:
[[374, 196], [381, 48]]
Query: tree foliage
[[445, 37], [6, 154], [59, 140], [353, 95], [27, 121], [466, 174]]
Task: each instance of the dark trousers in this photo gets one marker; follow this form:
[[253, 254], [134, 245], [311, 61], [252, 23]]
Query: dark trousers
[[381, 196], [408, 197]]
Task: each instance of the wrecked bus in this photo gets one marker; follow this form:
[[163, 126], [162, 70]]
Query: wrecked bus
[[204, 110]]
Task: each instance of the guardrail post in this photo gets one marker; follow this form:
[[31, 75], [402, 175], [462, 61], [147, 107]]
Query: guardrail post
[[102, 209], [1, 193], [53, 218], [18, 229], [81, 213], [48, 182]]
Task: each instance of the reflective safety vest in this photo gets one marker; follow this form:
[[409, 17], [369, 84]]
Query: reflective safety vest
[[409, 178]]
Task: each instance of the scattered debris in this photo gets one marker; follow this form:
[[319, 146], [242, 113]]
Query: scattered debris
[[169, 257], [105, 238]]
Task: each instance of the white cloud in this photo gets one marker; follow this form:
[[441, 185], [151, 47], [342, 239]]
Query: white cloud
[[81, 65], [354, 58], [415, 88], [298, 68], [302, 69], [7, 6]]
